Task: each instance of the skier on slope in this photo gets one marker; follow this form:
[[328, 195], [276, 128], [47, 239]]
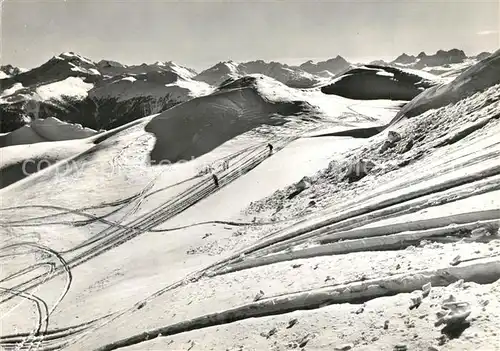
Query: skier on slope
[[270, 146], [216, 180]]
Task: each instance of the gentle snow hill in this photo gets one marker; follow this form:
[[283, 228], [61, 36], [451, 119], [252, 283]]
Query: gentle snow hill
[[477, 78], [195, 127], [330, 108], [379, 82]]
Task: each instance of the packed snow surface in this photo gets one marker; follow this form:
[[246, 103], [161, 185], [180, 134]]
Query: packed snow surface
[[265, 236]]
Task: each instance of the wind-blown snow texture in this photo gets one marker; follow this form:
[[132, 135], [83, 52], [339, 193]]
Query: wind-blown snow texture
[[320, 242]]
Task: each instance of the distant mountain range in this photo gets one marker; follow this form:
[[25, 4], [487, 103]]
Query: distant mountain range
[[107, 94]]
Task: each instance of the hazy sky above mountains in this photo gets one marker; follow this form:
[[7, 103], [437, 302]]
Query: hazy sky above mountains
[[201, 33]]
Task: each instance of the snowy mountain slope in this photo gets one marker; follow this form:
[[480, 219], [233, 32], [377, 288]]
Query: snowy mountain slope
[[192, 129], [219, 73], [290, 76], [99, 95], [475, 79], [125, 263], [7, 71], [127, 97], [324, 243], [343, 275], [27, 157], [235, 107], [112, 101]]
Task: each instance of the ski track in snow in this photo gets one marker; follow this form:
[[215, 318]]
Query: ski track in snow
[[366, 224]]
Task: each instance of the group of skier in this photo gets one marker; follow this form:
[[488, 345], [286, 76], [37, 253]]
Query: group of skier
[[226, 166]]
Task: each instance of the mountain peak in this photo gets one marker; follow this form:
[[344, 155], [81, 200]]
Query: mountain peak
[[405, 59]]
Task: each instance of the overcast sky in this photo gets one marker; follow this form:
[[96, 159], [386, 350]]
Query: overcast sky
[[201, 33]]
